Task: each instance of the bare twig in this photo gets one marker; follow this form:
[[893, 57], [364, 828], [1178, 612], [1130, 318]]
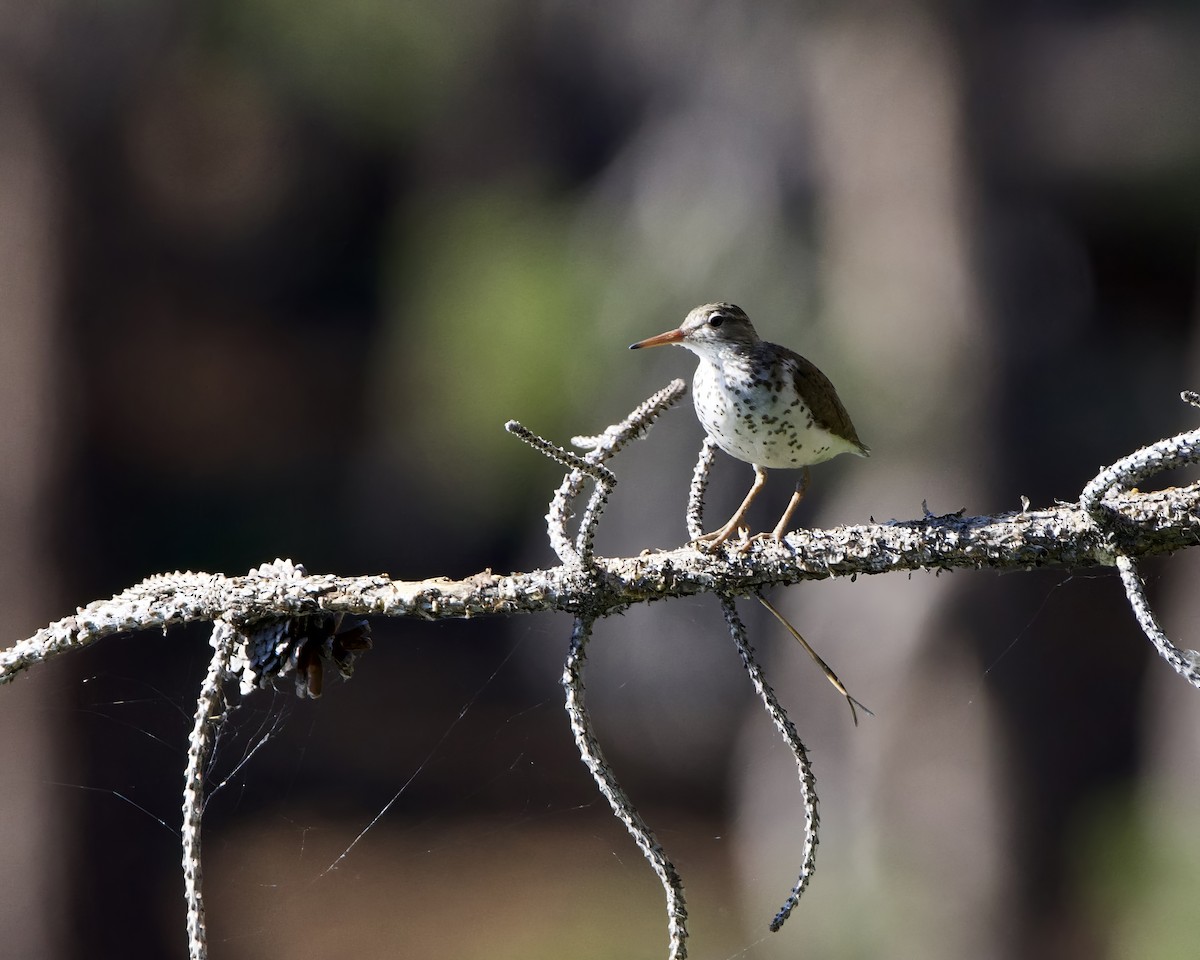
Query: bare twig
[[698, 487], [600, 447], [272, 649], [808, 785], [606, 445], [559, 515], [1184, 662], [1098, 500], [1180, 450], [571, 461], [209, 714], [811, 820], [614, 793]]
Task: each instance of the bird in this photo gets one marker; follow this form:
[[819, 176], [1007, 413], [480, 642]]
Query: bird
[[761, 403]]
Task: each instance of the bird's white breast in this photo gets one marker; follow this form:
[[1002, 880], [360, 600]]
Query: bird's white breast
[[760, 419]]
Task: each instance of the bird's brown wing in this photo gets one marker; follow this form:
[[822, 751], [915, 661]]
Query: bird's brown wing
[[823, 401]]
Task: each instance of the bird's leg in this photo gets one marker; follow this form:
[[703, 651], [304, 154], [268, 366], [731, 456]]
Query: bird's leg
[[718, 537], [781, 526]]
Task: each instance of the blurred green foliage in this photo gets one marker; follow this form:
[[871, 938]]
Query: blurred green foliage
[[491, 319], [369, 65], [1139, 876]]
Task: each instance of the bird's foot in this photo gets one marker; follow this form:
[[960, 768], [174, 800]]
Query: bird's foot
[[709, 542], [748, 542]]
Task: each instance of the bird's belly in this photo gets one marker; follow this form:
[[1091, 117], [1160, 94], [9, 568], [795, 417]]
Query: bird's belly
[[757, 424]]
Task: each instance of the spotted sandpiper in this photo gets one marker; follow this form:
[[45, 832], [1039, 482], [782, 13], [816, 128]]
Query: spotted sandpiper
[[761, 403]]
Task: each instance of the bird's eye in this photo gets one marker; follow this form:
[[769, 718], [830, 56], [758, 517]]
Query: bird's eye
[[716, 320]]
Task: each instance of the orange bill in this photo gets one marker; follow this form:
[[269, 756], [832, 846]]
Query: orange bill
[[671, 336]]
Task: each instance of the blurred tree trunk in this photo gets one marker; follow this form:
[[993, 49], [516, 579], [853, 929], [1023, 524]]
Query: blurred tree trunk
[[32, 870], [895, 201]]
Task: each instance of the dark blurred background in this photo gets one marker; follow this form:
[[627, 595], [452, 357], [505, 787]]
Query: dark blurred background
[[273, 274]]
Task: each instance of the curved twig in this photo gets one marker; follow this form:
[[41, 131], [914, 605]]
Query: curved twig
[[614, 793], [600, 447], [205, 724], [1181, 450], [1186, 663], [559, 514], [1097, 499], [808, 785], [787, 730]]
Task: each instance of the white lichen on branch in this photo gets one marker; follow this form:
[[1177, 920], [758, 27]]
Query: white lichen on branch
[[1062, 536]]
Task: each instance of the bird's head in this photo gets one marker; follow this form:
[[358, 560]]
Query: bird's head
[[708, 330]]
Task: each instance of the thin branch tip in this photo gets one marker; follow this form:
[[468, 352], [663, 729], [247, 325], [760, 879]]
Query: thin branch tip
[[825, 668]]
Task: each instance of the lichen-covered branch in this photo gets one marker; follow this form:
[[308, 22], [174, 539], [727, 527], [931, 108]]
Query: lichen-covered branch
[[1062, 536]]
